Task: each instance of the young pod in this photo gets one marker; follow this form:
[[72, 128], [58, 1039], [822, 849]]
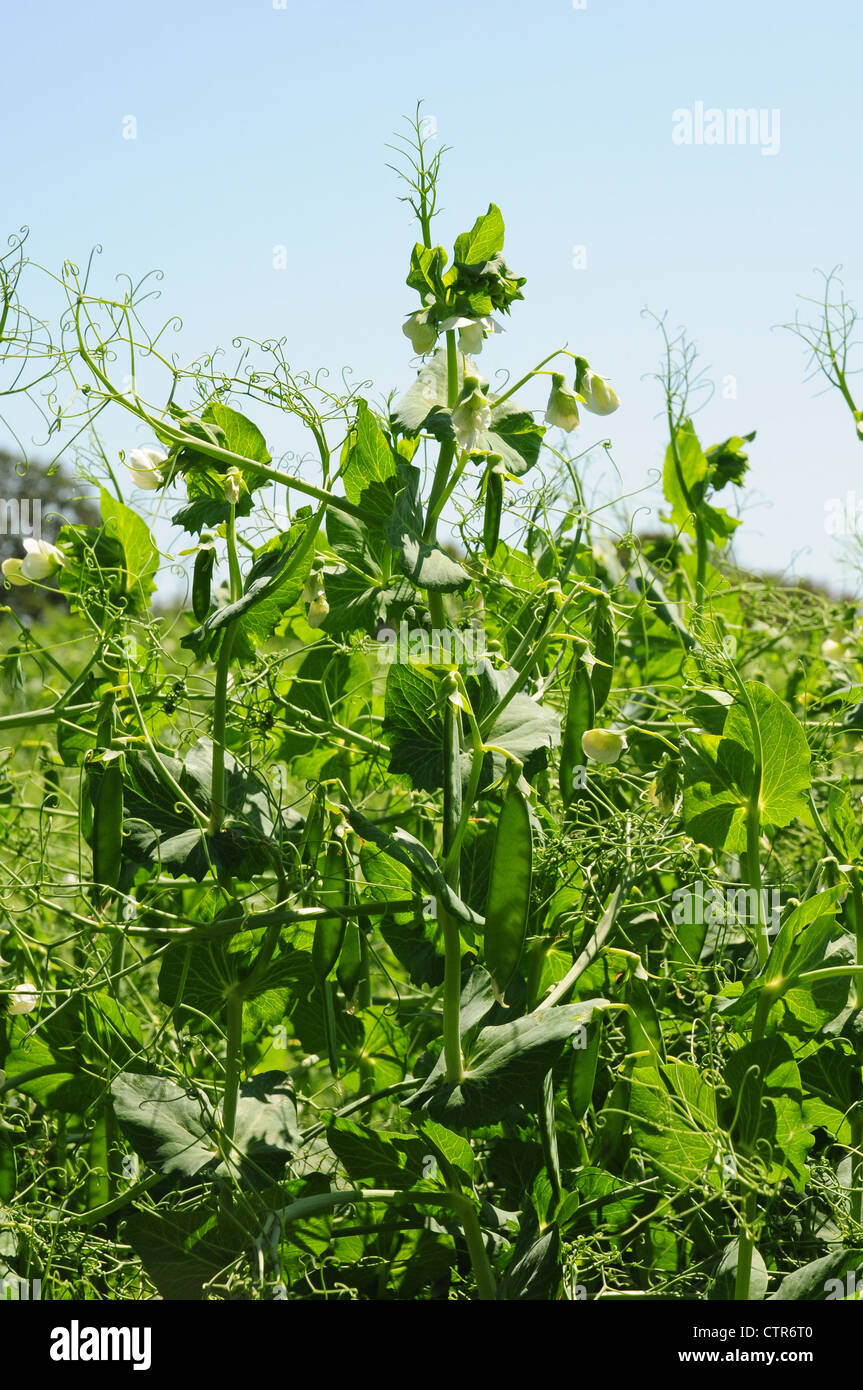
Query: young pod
[[493, 509], [579, 718], [508, 902], [202, 581]]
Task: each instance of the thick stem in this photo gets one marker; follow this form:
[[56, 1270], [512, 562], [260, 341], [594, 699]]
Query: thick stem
[[745, 1237], [451, 995]]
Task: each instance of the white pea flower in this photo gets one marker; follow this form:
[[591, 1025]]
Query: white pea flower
[[602, 745], [318, 609], [599, 397], [232, 486], [833, 649], [471, 418], [41, 561], [22, 1000], [472, 332], [145, 467], [562, 408], [423, 335]]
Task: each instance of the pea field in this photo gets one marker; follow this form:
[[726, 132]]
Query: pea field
[[417, 884]]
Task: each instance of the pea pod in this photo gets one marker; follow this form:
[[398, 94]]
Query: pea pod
[[582, 1070], [493, 510], [202, 580], [330, 931], [107, 795], [580, 714], [508, 901], [603, 650], [350, 962]]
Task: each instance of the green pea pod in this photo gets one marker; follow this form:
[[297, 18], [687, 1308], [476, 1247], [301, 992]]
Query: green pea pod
[[313, 832], [330, 931], [582, 1070], [580, 716], [508, 901], [603, 650], [350, 962], [202, 581], [493, 510], [108, 824]]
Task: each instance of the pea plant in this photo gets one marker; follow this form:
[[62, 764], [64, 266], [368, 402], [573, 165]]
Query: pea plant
[[417, 884]]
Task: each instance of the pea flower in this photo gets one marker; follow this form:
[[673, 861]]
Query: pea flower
[[471, 418], [602, 745], [145, 467], [833, 649], [22, 1000], [233, 479], [599, 398], [562, 408], [423, 335], [41, 562], [471, 332], [315, 596]]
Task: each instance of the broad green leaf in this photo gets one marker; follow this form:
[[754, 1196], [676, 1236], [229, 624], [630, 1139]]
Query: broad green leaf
[[139, 549], [484, 240], [821, 1280], [724, 1280], [503, 1067], [386, 1159], [368, 465], [719, 772], [175, 1130], [674, 1122]]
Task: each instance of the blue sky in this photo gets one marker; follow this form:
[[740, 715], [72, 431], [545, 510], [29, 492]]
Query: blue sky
[[260, 126]]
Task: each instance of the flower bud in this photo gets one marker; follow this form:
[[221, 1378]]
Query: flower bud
[[471, 418], [602, 746], [12, 571], [144, 465], [423, 335], [22, 1000], [599, 398], [562, 408]]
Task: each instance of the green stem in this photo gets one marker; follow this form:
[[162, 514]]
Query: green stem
[[451, 995], [745, 1237], [223, 670], [447, 449], [233, 1063]]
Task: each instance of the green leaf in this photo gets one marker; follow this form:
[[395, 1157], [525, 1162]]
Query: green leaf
[[724, 1280], [139, 549], [694, 468], [368, 464], [274, 583], [454, 1149], [388, 1160], [175, 1130], [767, 1097], [719, 772], [425, 564], [812, 1282], [533, 1274], [484, 240], [503, 1067], [674, 1122], [182, 1249]]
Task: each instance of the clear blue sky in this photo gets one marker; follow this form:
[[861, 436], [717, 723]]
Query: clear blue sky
[[259, 126]]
